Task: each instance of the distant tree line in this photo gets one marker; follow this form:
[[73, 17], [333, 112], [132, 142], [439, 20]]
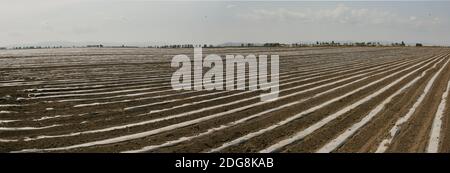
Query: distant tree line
[[357, 44], [273, 44], [97, 45], [399, 44], [316, 44], [37, 47], [329, 44], [182, 46]]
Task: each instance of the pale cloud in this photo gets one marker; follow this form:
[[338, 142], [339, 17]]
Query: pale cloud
[[340, 14], [436, 20], [230, 6], [83, 29], [28, 21]]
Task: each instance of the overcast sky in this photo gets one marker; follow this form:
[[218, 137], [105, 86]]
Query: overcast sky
[[214, 22]]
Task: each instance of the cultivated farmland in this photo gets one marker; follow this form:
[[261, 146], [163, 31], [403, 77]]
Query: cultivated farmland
[[367, 99]]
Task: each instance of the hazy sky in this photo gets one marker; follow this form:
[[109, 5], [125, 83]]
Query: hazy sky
[[212, 22]]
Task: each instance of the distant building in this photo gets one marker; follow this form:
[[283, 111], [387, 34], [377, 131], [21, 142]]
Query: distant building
[[2, 48]]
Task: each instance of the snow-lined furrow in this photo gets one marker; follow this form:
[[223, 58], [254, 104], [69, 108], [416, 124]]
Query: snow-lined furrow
[[163, 118], [209, 131], [146, 93], [21, 83], [108, 80], [107, 83], [386, 142], [104, 93], [113, 92], [7, 112], [377, 67], [27, 128], [245, 107], [10, 105], [232, 95], [300, 135], [156, 131], [44, 89], [8, 140], [105, 77], [86, 83], [167, 88], [156, 84], [133, 79], [290, 119], [159, 96], [153, 84], [7, 121], [436, 128], [255, 97], [169, 95], [338, 141], [10, 81], [241, 93], [240, 121], [51, 117], [165, 101], [53, 82], [170, 101]]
